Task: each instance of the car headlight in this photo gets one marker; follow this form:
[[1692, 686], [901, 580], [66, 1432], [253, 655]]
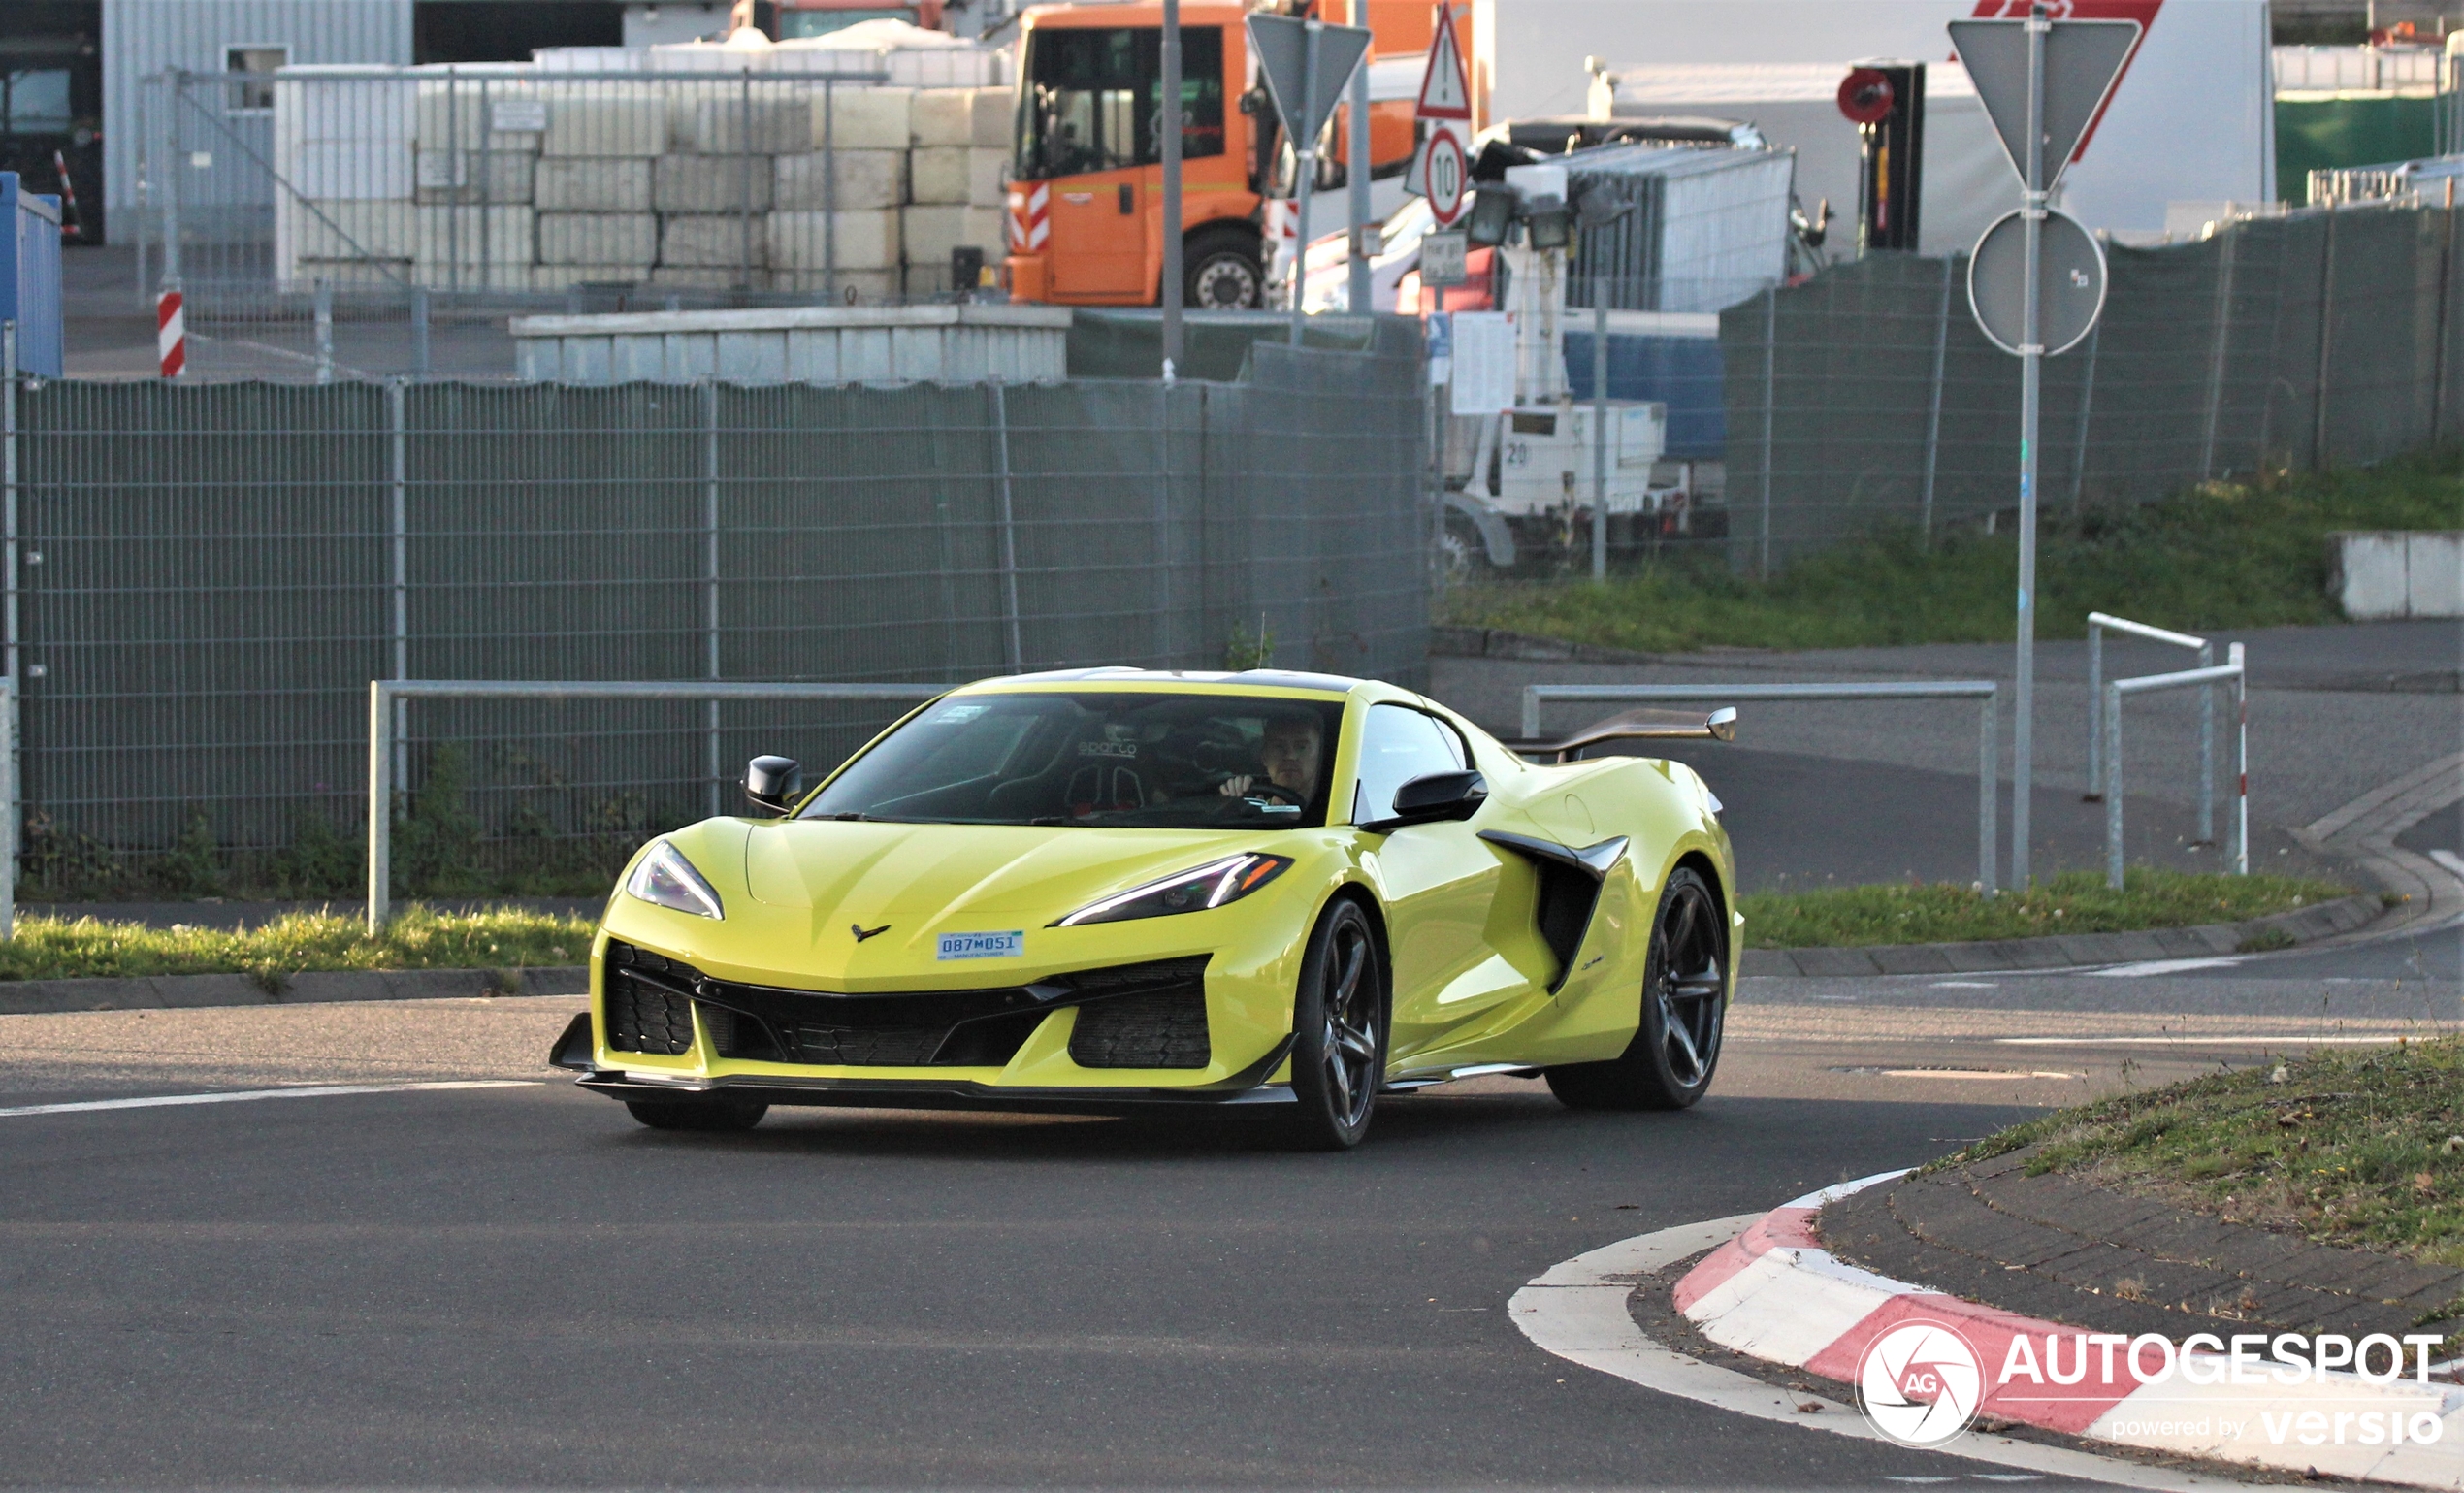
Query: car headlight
[[1212, 884], [664, 878]]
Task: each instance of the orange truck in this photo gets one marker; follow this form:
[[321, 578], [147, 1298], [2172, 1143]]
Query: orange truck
[[1086, 195]]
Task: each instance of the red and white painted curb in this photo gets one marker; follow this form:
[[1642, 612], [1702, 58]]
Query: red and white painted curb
[[1773, 1292]]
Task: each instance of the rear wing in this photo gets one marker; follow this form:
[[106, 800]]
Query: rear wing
[[1645, 725]]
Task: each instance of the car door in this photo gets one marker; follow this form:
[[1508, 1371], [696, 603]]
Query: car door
[[1438, 882], [1092, 91]]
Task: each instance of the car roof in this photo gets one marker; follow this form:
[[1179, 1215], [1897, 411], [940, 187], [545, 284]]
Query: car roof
[[1124, 678]]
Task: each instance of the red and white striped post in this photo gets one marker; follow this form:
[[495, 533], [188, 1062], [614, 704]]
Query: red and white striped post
[[171, 333]]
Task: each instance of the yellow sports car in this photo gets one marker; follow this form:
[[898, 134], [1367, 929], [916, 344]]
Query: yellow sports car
[[1104, 888]]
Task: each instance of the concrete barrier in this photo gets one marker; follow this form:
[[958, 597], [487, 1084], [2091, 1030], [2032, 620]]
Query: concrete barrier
[[2391, 573]]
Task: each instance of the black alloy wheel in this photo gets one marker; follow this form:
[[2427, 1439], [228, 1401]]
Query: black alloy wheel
[[1221, 272], [702, 1115], [1338, 1030], [1676, 1046]]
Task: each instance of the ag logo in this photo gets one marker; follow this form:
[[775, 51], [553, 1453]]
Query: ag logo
[[1920, 1383]]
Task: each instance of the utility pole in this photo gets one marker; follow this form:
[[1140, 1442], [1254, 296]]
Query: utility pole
[[1168, 121]]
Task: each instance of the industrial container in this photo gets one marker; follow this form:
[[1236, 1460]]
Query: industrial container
[[30, 274], [1704, 228]]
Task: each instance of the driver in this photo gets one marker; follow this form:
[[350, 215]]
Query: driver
[[1290, 753]]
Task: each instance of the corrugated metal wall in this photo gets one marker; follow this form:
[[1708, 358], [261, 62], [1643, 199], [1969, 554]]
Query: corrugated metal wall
[[143, 36]]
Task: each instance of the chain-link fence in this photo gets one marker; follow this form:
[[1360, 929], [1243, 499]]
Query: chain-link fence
[[211, 576], [1867, 398], [410, 210]]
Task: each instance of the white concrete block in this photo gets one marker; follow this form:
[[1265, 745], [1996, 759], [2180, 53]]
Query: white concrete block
[[469, 113], [600, 119], [866, 178], [475, 176], [866, 241], [718, 241], [864, 119], [2366, 574], [599, 239], [343, 228], [853, 287], [2434, 575], [556, 277], [773, 120], [709, 277], [710, 183], [930, 233], [961, 116], [751, 357], [959, 176], [474, 235], [592, 184]]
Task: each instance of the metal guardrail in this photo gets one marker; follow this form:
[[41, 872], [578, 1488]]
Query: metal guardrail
[[1988, 738], [384, 725], [2098, 624], [2239, 851]]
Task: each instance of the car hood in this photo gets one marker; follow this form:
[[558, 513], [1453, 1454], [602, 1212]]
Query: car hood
[[931, 878]]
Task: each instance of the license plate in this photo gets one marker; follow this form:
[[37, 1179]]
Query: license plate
[[985, 946]]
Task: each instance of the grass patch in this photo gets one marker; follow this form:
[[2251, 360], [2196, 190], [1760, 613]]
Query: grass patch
[[58, 948], [2223, 554], [2357, 1147], [2073, 902]]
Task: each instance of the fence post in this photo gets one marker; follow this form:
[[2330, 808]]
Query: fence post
[[419, 358], [9, 794], [829, 191], [1013, 653], [2207, 750], [380, 807], [324, 331], [1933, 409], [1770, 417], [744, 230], [2241, 848], [710, 585], [1989, 789], [2095, 710], [398, 554], [175, 178], [2327, 324], [2113, 784], [2220, 346], [2087, 403]]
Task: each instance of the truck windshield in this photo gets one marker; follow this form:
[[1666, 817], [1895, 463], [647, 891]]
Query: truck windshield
[[1090, 99], [1144, 759]]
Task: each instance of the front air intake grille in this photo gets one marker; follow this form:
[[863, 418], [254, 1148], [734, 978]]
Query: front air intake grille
[[643, 1017], [1132, 1015], [1163, 1029]]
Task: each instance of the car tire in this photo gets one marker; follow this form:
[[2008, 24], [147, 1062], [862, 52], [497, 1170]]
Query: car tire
[[1221, 271], [1676, 1046], [1338, 1030], [703, 1114]]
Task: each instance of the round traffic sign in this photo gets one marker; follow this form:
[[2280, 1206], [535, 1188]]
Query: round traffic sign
[[1446, 171], [1865, 97], [2071, 282]]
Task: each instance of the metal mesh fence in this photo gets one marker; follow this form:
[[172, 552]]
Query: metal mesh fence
[[212, 574], [1867, 397]]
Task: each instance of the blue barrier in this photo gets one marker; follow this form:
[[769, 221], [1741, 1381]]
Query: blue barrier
[[1682, 372], [30, 275]]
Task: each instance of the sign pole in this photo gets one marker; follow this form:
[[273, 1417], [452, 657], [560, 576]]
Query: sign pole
[[1304, 170], [1356, 175], [1168, 112], [2032, 370]]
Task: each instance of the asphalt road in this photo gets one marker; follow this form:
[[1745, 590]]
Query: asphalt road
[[516, 1286]]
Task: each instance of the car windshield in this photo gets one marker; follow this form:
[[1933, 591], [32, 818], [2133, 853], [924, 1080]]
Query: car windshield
[[1149, 759]]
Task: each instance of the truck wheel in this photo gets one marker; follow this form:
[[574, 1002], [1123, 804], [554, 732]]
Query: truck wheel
[[1222, 274]]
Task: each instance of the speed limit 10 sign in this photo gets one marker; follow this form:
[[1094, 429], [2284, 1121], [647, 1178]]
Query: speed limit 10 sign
[[1445, 172]]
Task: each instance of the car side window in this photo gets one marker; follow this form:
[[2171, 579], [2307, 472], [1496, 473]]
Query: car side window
[[1398, 744]]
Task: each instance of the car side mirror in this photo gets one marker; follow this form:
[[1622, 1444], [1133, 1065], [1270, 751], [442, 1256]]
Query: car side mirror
[[774, 782], [1434, 797]]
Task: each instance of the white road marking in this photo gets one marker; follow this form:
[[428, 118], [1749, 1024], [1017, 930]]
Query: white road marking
[[322, 1091], [2280, 1039], [1964, 985], [2451, 861], [1577, 1312], [2164, 967]]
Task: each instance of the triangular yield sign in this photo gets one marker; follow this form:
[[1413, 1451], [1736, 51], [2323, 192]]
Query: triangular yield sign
[[2083, 59], [1280, 42], [1444, 93]]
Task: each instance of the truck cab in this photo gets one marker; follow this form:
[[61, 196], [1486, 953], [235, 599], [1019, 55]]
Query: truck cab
[[1086, 186]]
